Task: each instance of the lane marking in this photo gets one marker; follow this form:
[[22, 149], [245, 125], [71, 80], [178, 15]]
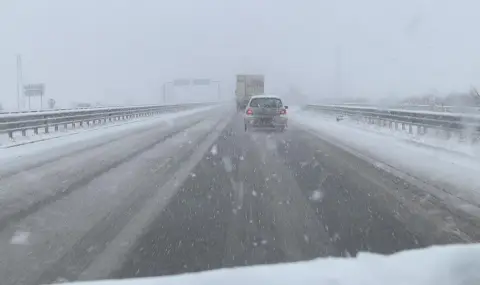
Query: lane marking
[[116, 252]]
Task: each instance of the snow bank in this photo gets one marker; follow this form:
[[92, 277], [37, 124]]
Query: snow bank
[[454, 173], [454, 144], [438, 265]]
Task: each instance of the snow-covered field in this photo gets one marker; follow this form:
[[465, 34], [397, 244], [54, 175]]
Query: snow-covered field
[[41, 144], [451, 166], [6, 142], [439, 265]]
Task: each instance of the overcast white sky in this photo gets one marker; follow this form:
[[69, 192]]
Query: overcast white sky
[[118, 51]]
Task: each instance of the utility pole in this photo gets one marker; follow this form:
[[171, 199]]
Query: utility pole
[[164, 93], [19, 82], [218, 89], [338, 67]]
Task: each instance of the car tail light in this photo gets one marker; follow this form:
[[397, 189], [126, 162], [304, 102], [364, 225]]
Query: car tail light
[[283, 112], [249, 111]]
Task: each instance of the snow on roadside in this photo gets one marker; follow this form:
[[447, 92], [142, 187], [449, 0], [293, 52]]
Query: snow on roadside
[[438, 265], [444, 169], [453, 144], [83, 135], [6, 142]]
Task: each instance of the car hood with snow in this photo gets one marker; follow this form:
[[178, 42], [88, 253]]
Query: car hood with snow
[[437, 265]]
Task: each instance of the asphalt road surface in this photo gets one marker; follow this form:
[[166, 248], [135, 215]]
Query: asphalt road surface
[[203, 194]]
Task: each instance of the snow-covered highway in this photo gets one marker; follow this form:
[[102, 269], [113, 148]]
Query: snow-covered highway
[[193, 191]]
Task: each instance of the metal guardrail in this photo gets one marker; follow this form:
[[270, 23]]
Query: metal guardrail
[[394, 118], [411, 107], [53, 120], [6, 112]]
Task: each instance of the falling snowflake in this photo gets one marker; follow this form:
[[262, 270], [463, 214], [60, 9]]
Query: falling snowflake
[[317, 195], [214, 150], [306, 238], [347, 253], [20, 237], [336, 237]]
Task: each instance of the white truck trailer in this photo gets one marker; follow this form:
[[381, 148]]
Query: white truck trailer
[[247, 86]]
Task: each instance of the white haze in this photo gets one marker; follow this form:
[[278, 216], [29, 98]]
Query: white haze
[[121, 51]]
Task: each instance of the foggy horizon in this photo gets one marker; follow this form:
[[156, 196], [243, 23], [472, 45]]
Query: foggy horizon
[[121, 52]]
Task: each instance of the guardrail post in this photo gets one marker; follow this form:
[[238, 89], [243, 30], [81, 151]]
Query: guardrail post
[[410, 129], [35, 131], [81, 123], [56, 128], [403, 126], [10, 134], [47, 130], [24, 132]]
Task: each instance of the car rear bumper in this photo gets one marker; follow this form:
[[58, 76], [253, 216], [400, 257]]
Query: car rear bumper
[[266, 122]]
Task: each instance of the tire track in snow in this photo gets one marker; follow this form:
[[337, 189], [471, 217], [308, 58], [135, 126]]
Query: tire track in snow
[[9, 219]]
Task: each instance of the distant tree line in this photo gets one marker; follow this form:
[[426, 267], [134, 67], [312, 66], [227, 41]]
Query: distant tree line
[[465, 99]]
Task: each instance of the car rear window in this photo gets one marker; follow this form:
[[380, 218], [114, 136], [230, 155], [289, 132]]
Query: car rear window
[[266, 103]]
